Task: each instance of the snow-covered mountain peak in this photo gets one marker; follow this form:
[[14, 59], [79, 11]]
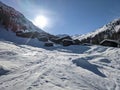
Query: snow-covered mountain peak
[[14, 24], [115, 24], [116, 20], [8, 8], [14, 20], [109, 31]]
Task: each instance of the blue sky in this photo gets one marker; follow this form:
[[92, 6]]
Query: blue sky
[[69, 16]]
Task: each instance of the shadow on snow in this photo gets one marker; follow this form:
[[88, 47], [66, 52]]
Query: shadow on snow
[[86, 65]]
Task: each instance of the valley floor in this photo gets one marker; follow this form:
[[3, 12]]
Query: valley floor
[[24, 67]]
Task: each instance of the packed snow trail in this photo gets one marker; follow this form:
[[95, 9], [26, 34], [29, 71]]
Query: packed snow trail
[[59, 68]]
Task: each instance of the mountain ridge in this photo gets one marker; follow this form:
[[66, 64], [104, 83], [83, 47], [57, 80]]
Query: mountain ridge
[[14, 16], [13, 20], [108, 31]]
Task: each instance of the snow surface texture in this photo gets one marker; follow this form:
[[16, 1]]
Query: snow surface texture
[[59, 68]]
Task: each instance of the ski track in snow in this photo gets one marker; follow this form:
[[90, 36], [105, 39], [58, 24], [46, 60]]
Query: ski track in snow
[[59, 68]]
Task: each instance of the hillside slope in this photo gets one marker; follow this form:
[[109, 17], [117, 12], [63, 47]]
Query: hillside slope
[[15, 22], [109, 31], [75, 68]]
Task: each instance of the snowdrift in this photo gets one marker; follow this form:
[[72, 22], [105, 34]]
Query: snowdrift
[[59, 68]]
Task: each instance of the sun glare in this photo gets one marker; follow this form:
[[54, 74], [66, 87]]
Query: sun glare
[[41, 21]]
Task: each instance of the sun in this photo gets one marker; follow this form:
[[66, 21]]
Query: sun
[[41, 21]]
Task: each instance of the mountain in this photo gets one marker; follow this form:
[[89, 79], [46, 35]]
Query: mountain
[[14, 23], [76, 67], [109, 31]]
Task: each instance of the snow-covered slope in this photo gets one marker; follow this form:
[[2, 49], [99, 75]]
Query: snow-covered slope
[[109, 31], [59, 68], [16, 23], [15, 20], [10, 36]]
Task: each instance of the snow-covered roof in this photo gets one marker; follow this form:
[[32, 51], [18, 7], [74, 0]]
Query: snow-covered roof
[[109, 40]]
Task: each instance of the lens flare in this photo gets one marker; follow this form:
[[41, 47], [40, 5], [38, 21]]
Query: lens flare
[[41, 21]]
